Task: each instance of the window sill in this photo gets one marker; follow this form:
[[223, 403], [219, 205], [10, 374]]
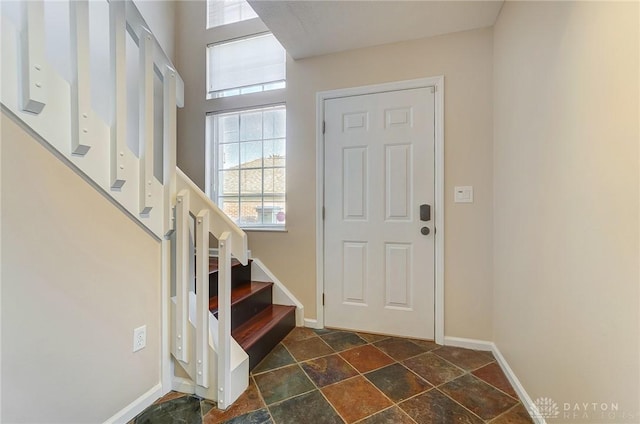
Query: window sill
[[264, 230]]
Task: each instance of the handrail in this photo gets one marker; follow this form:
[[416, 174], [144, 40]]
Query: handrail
[[221, 223]]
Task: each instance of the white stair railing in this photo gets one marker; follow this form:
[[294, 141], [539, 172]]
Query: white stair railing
[[33, 94], [61, 112], [232, 241]]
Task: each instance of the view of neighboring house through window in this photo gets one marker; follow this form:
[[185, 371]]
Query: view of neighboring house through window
[[222, 12], [246, 135], [251, 154]]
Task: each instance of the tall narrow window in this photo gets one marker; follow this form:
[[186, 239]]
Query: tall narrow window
[[247, 65], [222, 12], [249, 149]]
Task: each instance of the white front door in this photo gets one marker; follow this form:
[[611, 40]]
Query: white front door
[[379, 170]]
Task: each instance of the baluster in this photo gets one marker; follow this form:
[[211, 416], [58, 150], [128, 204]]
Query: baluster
[[145, 84], [224, 320], [117, 42], [81, 114], [202, 302], [33, 93], [182, 276], [169, 145]]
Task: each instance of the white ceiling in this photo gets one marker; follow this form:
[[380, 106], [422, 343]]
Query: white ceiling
[[310, 28]]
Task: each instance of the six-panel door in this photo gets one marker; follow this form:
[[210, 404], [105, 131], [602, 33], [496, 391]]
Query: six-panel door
[[379, 169]]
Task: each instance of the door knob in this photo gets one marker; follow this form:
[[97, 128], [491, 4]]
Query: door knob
[[424, 231]]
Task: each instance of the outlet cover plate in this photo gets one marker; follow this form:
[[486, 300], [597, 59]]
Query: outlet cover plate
[[139, 338], [463, 194]]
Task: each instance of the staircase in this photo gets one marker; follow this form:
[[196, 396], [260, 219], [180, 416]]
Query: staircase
[[257, 325], [219, 321]]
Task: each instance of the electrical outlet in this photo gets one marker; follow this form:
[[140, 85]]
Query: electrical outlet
[[139, 338]]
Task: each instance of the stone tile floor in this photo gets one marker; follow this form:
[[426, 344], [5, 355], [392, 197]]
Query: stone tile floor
[[332, 376]]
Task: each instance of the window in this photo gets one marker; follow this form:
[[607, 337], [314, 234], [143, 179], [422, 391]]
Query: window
[[249, 149], [247, 65], [222, 12], [246, 134]]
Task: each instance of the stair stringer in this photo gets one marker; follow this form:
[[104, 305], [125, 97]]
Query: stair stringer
[[281, 294], [239, 358]]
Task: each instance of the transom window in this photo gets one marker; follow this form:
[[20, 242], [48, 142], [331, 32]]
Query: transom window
[[248, 65], [222, 12], [249, 165]]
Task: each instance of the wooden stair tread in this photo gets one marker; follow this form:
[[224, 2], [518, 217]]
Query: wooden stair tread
[[251, 331], [238, 294], [213, 264]]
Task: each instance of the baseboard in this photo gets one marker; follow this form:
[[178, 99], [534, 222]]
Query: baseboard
[[469, 343], [502, 362], [312, 323], [529, 405], [281, 294], [183, 385], [137, 406]]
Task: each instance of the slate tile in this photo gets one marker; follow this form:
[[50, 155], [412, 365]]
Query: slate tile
[[516, 415], [283, 383], [493, 375], [343, 340], [397, 382], [366, 358], [277, 358], [433, 368], [355, 398], [392, 415], [466, 359], [303, 350], [310, 408], [478, 396], [399, 349], [434, 407], [249, 401], [328, 370]]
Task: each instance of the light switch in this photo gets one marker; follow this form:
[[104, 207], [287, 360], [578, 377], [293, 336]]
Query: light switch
[[463, 194]]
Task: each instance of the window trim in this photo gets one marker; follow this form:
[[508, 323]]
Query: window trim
[[212, 171], [246, 101]]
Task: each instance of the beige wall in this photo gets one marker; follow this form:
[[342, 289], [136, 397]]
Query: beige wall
[[160, 16], [77, 277], [191, 63], [566, 201], [465, 60]]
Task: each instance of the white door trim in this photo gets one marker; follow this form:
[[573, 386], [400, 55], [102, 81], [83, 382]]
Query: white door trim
[[438, 83]]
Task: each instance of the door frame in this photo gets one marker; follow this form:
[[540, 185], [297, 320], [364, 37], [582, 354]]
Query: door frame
[[438, 83]]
